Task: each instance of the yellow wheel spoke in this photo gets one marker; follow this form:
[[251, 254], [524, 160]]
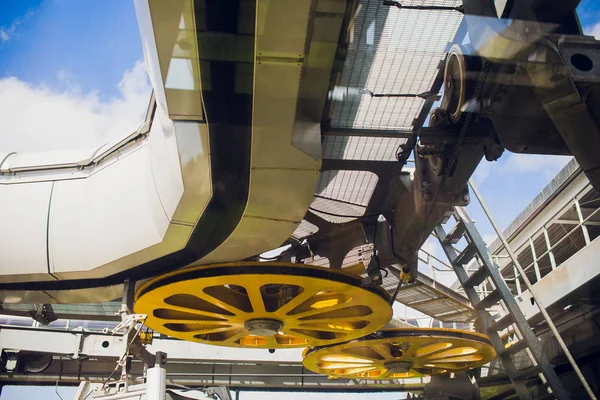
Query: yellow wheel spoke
[[340, 320], [383, 350], [226, 305], [258, 304], [236, 337], [295, 302], [196, 312], [316, 311]]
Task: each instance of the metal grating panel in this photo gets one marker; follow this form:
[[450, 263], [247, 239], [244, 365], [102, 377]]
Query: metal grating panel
[[345, 193], [431, 298], [305, 229], [355, 187], [361, 148], [346, 212], [104, 311], [392, 51]]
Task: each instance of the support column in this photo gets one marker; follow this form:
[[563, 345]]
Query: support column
[[156, 378]]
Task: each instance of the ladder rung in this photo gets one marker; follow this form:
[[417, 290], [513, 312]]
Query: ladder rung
[[466, 255], [515, 348], [527, 373], [476, 278], [492, 298], [502, 323], [447, 216], [455, 233]]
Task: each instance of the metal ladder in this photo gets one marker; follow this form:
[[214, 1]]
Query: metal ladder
[[475, 247]]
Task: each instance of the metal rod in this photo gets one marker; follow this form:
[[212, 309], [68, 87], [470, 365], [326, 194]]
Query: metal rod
[[423, 95], [543, 311], [429, 8], [549, 247], [586, 234], [536, 267], [517, 281]]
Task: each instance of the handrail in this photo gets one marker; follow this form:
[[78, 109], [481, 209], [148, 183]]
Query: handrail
[[97, 156]]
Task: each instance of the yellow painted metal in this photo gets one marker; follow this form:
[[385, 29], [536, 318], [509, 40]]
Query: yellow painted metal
[[262, 305], [402, 353]]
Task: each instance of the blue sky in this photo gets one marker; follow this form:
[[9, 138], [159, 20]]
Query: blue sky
[[78, 64], [91, 43]]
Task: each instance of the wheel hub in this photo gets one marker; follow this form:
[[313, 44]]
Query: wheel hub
[[398, 367], [263, 327]]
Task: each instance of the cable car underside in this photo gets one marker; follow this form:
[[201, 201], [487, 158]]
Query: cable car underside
[[228, 164]]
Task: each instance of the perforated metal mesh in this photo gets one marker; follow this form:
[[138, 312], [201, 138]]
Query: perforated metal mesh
[[392, 51]]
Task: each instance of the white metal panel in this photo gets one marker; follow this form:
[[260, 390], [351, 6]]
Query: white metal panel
[[144, 19], [164, 158], [194, 156], [23, 223], [111, 214]]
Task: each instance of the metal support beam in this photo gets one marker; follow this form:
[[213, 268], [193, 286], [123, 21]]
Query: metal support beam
[[190, 364]]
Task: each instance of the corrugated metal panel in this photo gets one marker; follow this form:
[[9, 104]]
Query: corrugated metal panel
[[392, 51]]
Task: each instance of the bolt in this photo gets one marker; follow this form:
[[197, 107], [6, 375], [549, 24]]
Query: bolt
[[466, 197], [425, 183]]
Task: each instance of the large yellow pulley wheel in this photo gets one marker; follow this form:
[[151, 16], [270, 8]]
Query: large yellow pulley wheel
[[262, 305], [402, 353]]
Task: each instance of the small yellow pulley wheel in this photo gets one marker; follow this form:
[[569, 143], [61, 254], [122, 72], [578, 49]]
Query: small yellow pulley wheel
[[262, 305], [402, 353]]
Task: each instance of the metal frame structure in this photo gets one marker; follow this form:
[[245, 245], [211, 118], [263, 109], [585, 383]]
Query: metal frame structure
[[349, 223]]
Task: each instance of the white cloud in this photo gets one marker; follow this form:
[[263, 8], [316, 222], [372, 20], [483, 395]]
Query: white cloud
[[489, 238], [512, 164], [593, 30], [36, 118], [545, 165], [483, 171], [8, 32]]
